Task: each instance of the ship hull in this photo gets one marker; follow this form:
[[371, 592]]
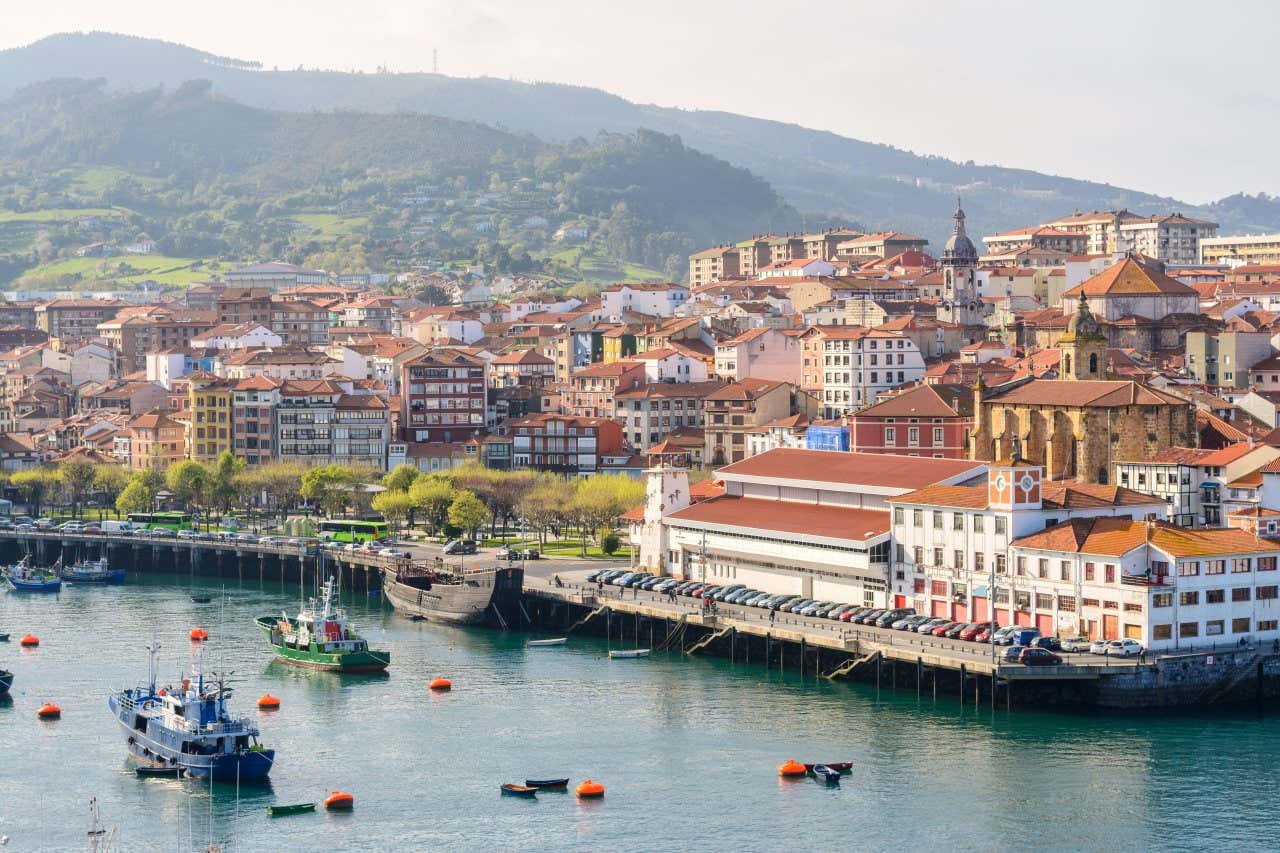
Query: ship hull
[[249, 764], [470, 602], [115, 576], [366, 661]]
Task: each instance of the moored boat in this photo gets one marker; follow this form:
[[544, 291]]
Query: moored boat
[[295, 808], [558, 641], [92, 572], [628, 654], [519, 790], [190, 728], [468, 598], [823, 773], [548, 784], [321, 638], [6, 681], [22, 577], [162, 772]]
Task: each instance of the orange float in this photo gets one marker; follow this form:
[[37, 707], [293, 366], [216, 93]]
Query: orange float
[[29, 640], [791, 768], [339, 801], [199, 634], [440, 684], [49, 711], [589, 790], [269, 702]]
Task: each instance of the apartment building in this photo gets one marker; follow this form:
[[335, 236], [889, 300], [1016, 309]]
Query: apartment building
[[1037, 237], [653, 300], [761, 353], [321, 422], [254, 403], [927, 420], [283, 363], [300, 322], [238, 305], [1171, 238], [881, 244], [650, 413], [858, 364], [1250, 249], [156, 441], [714, 264], [211, 416], [134, 332], [562, 443], [593, 389], [443, 396], [74, 319], [735, 410], [1226, 358]]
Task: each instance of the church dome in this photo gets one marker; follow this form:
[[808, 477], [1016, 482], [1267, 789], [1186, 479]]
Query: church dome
[[1083, 324], [959, 247]]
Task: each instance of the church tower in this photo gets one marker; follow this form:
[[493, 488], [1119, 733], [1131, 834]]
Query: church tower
[[960, 303], [1083, 347], [666, 491]]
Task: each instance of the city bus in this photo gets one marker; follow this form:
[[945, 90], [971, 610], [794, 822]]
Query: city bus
[[153, 520], [353, 530]]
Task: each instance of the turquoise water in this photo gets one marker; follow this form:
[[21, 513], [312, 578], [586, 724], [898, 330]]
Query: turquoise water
[[687, 748]]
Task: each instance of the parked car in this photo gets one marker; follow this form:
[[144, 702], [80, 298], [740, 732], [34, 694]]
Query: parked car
[[728, 590], [1003, 638], [460, 546], [906, 623], [850, 615], [784, 602], [91, 530], [1050, 643], [71, 526], [869, 618], [596, 575], [1013, 654], [984, 636], [1023, 636], [651, 583], [667, 585], [506, 554], [1123, 648], [188, 534], [24, 526], [531, 554], [164, 533], [799, 605], [44, 523], [1076, 644], [942, 628], [1037, 656], [928, 625], [6, 524], [887, 619]]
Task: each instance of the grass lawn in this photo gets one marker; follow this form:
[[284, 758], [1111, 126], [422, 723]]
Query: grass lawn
[[331, 224], [98, 179], [58, 214], [158, 268], [559, 548], [597, 268]]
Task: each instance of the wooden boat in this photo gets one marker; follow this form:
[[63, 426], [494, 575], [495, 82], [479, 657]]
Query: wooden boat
[[512, 790], [558, 641], [547, 784], [437, 595], [203, 599], [823, 773], [628, 654], [4, 638], [841, 766], [162, 772], [295, 808]]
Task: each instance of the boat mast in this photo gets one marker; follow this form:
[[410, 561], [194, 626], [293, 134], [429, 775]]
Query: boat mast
[[152, 660]]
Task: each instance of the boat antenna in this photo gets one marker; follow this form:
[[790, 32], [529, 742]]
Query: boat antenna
[[152, 661]]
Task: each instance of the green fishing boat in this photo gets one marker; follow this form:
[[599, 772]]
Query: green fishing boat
[[321, 638], [297, 808]]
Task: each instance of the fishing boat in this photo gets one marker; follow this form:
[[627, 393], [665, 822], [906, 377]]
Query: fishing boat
[[6, 681], [823, 773], [537, 644], [92, 572], [519, 790], [321, 638], [161, 772], [22, 577], [190, 728], [462, 598], [628, 654], [296, 808], [547, 784]]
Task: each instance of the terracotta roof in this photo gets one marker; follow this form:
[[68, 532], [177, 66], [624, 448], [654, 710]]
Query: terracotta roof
[[670, 389], [361, 401], [791, 517], [258, 383], [882, 470], [1130, 277], [1055, 494], [1228, 454], [924, 401], [1115, 537], [1107, 393], [527, 356], [745, 389]]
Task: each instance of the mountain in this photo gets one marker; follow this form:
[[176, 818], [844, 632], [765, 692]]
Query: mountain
[[204, 176], [831, 176]]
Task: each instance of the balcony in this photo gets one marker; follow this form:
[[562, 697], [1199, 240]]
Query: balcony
[[1144, 580]]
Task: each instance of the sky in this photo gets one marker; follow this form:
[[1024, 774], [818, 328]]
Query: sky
[[1170, 97]]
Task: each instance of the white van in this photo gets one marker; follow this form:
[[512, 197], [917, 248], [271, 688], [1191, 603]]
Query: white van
[[117, 528]]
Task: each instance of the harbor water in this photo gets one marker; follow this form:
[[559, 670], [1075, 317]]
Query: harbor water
[[686, 747]]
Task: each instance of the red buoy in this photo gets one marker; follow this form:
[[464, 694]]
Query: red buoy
[[269, 702], [589, 790], [199, 634], [30, 640], [339, 801], [49, 711], [440, 684]]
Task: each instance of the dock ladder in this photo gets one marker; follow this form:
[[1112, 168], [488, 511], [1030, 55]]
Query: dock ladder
[[604, 608], [708, 640], [676, 635], [850, 665]]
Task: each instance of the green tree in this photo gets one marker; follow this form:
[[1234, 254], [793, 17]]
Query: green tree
[[77, 475], [190, 482], [584, 291], [110, 480], [136, 497], [609, 543], [467, 512], [431, 496], [401, 478], [601, 498], [279, 483], [544, 505], [328, 487], [224, 481], [35, 485], [395, 506]]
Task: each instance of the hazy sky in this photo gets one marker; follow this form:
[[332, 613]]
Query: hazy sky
[[1171, 97]]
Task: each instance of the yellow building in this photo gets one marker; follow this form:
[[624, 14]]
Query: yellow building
[[209, 401]]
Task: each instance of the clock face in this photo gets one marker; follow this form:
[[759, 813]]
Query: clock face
[[1001, 483], [1027, 482]]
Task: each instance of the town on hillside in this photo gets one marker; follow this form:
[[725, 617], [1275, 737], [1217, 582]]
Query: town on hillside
[[1075, 427]]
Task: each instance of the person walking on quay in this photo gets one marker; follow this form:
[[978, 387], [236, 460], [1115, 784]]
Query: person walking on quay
[[773, 615], [635, 591], [1142, 657]]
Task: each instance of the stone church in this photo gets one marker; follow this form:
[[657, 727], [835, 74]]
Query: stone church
[[1076, 425]]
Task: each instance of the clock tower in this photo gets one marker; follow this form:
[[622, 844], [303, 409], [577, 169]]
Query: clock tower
[[960, 302]]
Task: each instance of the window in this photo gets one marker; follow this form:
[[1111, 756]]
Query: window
[[898, 515], [917, 586], [937, 435], [938, 587], [917, 555], [1044, 601], [917, 517], [1002, 524], [1240, 625], [1021, 565], [1189, 629], [1268, 592], [1042, 568], [1111, 573], [1213, 627], [1162, 599], [1214, 596], [937, 520], [1130, 607], [1089, 571], [1267, 624], [890, 435], [1110, 605], [1240, 565], [1000, 564], [959, 559], [1189, 568], [1215, 567], [957, 521], [937, 557], [1067, 602], [1266, 564], [1064, 570], [977, 523], [1240, 593], [1162, 632], [900, 552], [1189, 597], [978, 561]]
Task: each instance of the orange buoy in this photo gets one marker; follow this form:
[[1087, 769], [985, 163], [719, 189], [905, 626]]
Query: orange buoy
[[589, 790], [791, 768], [269, 702], [339, 801], [30, 640], [49, 711], [440, 684], [199, 634]]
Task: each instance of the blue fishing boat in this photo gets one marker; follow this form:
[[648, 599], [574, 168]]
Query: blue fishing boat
[[6, 681], [92, 572], [21, 577], [190, 729]]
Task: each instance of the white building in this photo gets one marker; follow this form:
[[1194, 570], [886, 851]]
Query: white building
[[858, 364], [796, 268], [1194, 483], [761, 353], [654, 300], [237, 336], [669, 365]]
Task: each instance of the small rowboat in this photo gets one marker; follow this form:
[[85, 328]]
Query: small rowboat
[[296, 808], [519, 790], [628, 654], [558, 641], [4, 638], [548, 784], [841, 766], [823, 773], [205, 599], [162, 772]]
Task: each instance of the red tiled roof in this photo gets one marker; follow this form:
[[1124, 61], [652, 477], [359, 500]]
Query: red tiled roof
[[791, 517], [1129, 277], [869, 469]]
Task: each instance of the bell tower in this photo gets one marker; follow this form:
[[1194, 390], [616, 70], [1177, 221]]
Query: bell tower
[[1083, 348], [960, 301], [666, 491]]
